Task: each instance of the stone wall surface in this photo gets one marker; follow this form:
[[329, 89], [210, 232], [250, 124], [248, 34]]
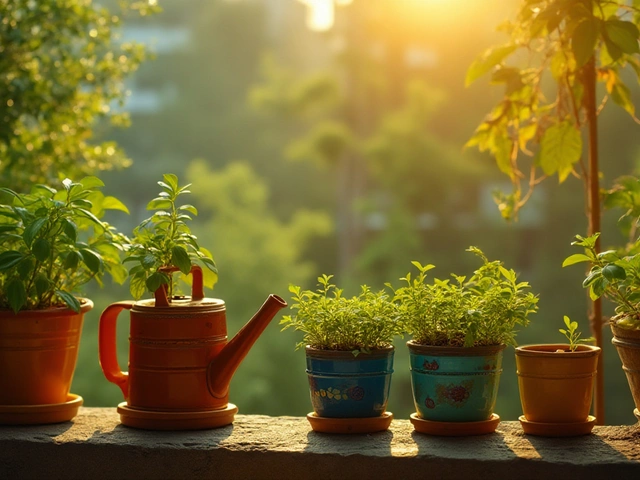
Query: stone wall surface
[[96, 446]]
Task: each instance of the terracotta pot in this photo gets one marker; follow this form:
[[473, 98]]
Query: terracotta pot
[[556, 387], [455, 384], [627, 342], [342, 385], [38, 353]]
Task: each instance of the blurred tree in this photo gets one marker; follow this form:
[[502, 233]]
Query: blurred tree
[[61, 71]]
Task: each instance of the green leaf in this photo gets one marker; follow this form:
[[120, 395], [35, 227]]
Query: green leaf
[[41, 249], [148, 261], [560, 148], [25, 268], [72, 260], [613, 52], [71, 301], [180, 258], [623, 34], [594, 275], [90, 216], [32, 229], [597, 288], [159, 204], [154, 281], [9, 259], [621, 95], [576, 258], [583, 41], [189, 208], [91, 182], [91, 259], [70, 229], [614, 272], [137, 286], [171, 180], [81, 202], [487, 61], [42, 284], [112, 203], [502, 152], [16, 294], [52, 191]]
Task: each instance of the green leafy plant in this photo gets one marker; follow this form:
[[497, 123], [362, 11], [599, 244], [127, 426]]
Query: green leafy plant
[[53, 242], [534, 132], [482, 310], [164, 241], [573, 335], [62, 71], [331, 321], [612, 276]]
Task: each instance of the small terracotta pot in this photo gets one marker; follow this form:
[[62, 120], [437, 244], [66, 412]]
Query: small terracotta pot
[[556, 387], [627, 343], [38, 353]]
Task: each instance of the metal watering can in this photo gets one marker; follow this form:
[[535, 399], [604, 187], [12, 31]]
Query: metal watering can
[[180, 363]]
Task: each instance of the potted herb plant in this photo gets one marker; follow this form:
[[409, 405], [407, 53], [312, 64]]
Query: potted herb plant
[[349, 352], [460, 328], [617, 277], [180, 363], [52, 242], [556, 385]]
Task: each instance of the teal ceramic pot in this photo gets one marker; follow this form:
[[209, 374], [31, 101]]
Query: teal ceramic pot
[[346, 386], [455, 384]]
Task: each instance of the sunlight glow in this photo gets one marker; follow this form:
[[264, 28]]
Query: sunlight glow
[[321, 13]]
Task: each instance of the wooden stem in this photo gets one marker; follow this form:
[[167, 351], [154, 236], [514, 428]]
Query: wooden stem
[[593, 179]]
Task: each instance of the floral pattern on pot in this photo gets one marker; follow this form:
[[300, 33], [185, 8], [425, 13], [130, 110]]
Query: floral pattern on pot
[[454, 395], [356, 393], [432, 365]]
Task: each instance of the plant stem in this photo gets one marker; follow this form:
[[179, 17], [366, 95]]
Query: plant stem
[[595, 318]]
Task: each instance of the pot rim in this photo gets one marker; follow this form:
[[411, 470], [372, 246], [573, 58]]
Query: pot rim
[[346, 354], [621, 332], [434, 350], [181, 303], [549, 350], [85, 305]]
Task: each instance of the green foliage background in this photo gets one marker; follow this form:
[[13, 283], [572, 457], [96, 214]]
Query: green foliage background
[[309, 153]]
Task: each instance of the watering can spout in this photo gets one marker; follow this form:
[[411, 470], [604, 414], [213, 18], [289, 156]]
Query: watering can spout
[[222, 368]]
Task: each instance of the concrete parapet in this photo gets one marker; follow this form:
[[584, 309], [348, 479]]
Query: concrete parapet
[[95, 446]]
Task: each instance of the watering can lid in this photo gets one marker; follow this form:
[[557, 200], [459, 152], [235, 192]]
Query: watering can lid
[[181, 304]]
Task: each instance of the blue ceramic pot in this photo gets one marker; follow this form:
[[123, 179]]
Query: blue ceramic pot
[[344, 386], [455, 384]]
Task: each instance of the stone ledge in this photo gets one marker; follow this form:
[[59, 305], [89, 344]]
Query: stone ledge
[[96, 446]]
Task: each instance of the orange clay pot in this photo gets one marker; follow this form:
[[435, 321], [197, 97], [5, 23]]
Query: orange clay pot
[[38, 353], [556, 387], [627, 342]]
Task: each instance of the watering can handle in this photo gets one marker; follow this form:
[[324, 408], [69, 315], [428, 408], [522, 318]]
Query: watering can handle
[[197, 286], [107, 350]]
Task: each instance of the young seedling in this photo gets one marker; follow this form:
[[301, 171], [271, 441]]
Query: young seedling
[[573, 335]]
